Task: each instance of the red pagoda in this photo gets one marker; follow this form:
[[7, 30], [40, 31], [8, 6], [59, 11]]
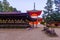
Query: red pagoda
[[34, 14]]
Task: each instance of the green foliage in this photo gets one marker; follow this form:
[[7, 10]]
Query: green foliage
[[56, 16], [1, 8], [43, 23], [11, 9], [14, 9], [5, 7], [47, 13]]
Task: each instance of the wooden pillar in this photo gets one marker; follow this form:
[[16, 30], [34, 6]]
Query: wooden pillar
[[14, 20], [6, 21], [33, 24], [37, 21]]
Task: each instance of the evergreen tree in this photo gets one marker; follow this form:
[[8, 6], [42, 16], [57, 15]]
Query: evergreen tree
[[7, 8], [1, 7], [50, 15], [48, 10], [57, 12], [5, 5], [14, 9], [10, 9]]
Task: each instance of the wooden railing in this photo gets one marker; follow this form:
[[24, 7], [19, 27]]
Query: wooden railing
[[14, 25]]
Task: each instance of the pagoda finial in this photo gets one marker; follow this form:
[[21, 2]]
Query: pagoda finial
[[34, 5]]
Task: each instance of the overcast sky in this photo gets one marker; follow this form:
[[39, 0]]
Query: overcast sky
[[24, 5]]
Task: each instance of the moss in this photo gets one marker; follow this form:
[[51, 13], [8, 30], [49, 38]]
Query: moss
[[54, 27], [43, 23]]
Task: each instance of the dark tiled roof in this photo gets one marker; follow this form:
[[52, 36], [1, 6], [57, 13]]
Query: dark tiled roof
[[13, 14], [10, 12]]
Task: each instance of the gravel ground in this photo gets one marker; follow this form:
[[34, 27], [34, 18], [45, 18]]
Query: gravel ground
[[25, 34]]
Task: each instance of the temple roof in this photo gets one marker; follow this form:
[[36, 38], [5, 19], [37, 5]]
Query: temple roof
[[10, 12], [15, 15], [34, 10]]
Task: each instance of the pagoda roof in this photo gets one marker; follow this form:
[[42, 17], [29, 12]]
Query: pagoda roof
[[34, 10]]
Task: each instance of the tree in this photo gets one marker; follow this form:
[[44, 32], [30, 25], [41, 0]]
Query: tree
[[48, 11], [1, 7], [50, 15], [57, 11], [10, 9], [5, 5], [14, 9]]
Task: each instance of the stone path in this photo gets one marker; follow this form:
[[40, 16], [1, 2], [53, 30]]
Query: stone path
[[25, 34]]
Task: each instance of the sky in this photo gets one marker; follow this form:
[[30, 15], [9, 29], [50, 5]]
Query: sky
[[24, 5]]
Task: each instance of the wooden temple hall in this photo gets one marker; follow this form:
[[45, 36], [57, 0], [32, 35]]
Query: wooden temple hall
[[15, 19]]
